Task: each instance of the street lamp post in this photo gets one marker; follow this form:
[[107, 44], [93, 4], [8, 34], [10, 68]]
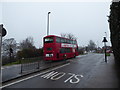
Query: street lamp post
[[105, 40], [48, 23], [0, 55], [1, 26]]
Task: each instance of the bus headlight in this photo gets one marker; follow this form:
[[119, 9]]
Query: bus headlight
[[49, 55]]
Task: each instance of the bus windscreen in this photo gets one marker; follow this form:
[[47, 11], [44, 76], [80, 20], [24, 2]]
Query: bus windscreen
[[48, 40]]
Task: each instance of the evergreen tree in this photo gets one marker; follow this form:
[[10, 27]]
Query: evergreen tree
[[114, 24]]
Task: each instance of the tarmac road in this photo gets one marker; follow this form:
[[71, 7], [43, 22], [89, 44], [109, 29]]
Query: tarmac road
[[88, 71]]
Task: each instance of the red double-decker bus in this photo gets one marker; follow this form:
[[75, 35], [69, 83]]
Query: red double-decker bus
[[59, 48]]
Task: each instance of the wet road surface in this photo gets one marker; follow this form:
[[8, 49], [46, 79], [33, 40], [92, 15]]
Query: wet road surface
[[88, 71]]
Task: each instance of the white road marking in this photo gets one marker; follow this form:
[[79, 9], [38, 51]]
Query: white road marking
[[53, 75], [75, 77], [81, 55], [81, 75], [49, 75], [2, 68], [35, 75]]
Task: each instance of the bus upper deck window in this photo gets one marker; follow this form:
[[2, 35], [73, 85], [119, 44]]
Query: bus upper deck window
[[48, 40], [58, 40]]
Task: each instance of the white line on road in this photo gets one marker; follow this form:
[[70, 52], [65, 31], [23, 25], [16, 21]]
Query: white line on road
[[2, 68], [81, 55], [35, 75]]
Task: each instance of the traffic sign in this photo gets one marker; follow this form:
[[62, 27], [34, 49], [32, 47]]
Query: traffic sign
[[4, 32]]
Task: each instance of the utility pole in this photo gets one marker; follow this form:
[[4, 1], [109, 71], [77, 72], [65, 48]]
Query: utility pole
[[48, 23]]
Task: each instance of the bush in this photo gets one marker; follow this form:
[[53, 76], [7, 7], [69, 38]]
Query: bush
[[29, 53]]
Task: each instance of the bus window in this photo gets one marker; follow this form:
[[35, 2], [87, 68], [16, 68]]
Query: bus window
[[65, 50], [57, 40], [67, 41], [62, 50], [49, 49], [74, 42], [70, 41], [49, 40], [63, 40]]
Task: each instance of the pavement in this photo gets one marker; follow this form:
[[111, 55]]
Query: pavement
[[11, 72], [105, 75], [95, 72]]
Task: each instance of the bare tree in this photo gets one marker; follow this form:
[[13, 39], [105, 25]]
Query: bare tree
[[9, 47], [27, 43], [91, 45], [63, 35], [69, 36]]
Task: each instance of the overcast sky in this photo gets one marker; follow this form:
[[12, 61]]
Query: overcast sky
[[86, 20]]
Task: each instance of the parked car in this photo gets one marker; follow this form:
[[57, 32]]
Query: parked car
[[109, 51]]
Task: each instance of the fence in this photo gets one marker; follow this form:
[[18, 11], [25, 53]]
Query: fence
[[34, 64]]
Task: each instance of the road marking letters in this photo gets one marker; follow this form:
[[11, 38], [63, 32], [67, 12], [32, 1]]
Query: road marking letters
[[53, 75], [70, 79]]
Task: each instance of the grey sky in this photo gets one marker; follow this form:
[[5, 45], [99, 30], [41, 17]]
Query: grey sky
[[86, 20]]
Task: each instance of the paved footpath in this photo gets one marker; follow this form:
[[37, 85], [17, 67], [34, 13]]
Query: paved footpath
[[10, 72]]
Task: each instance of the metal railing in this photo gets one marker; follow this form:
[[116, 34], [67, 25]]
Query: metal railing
[[34, 64]]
